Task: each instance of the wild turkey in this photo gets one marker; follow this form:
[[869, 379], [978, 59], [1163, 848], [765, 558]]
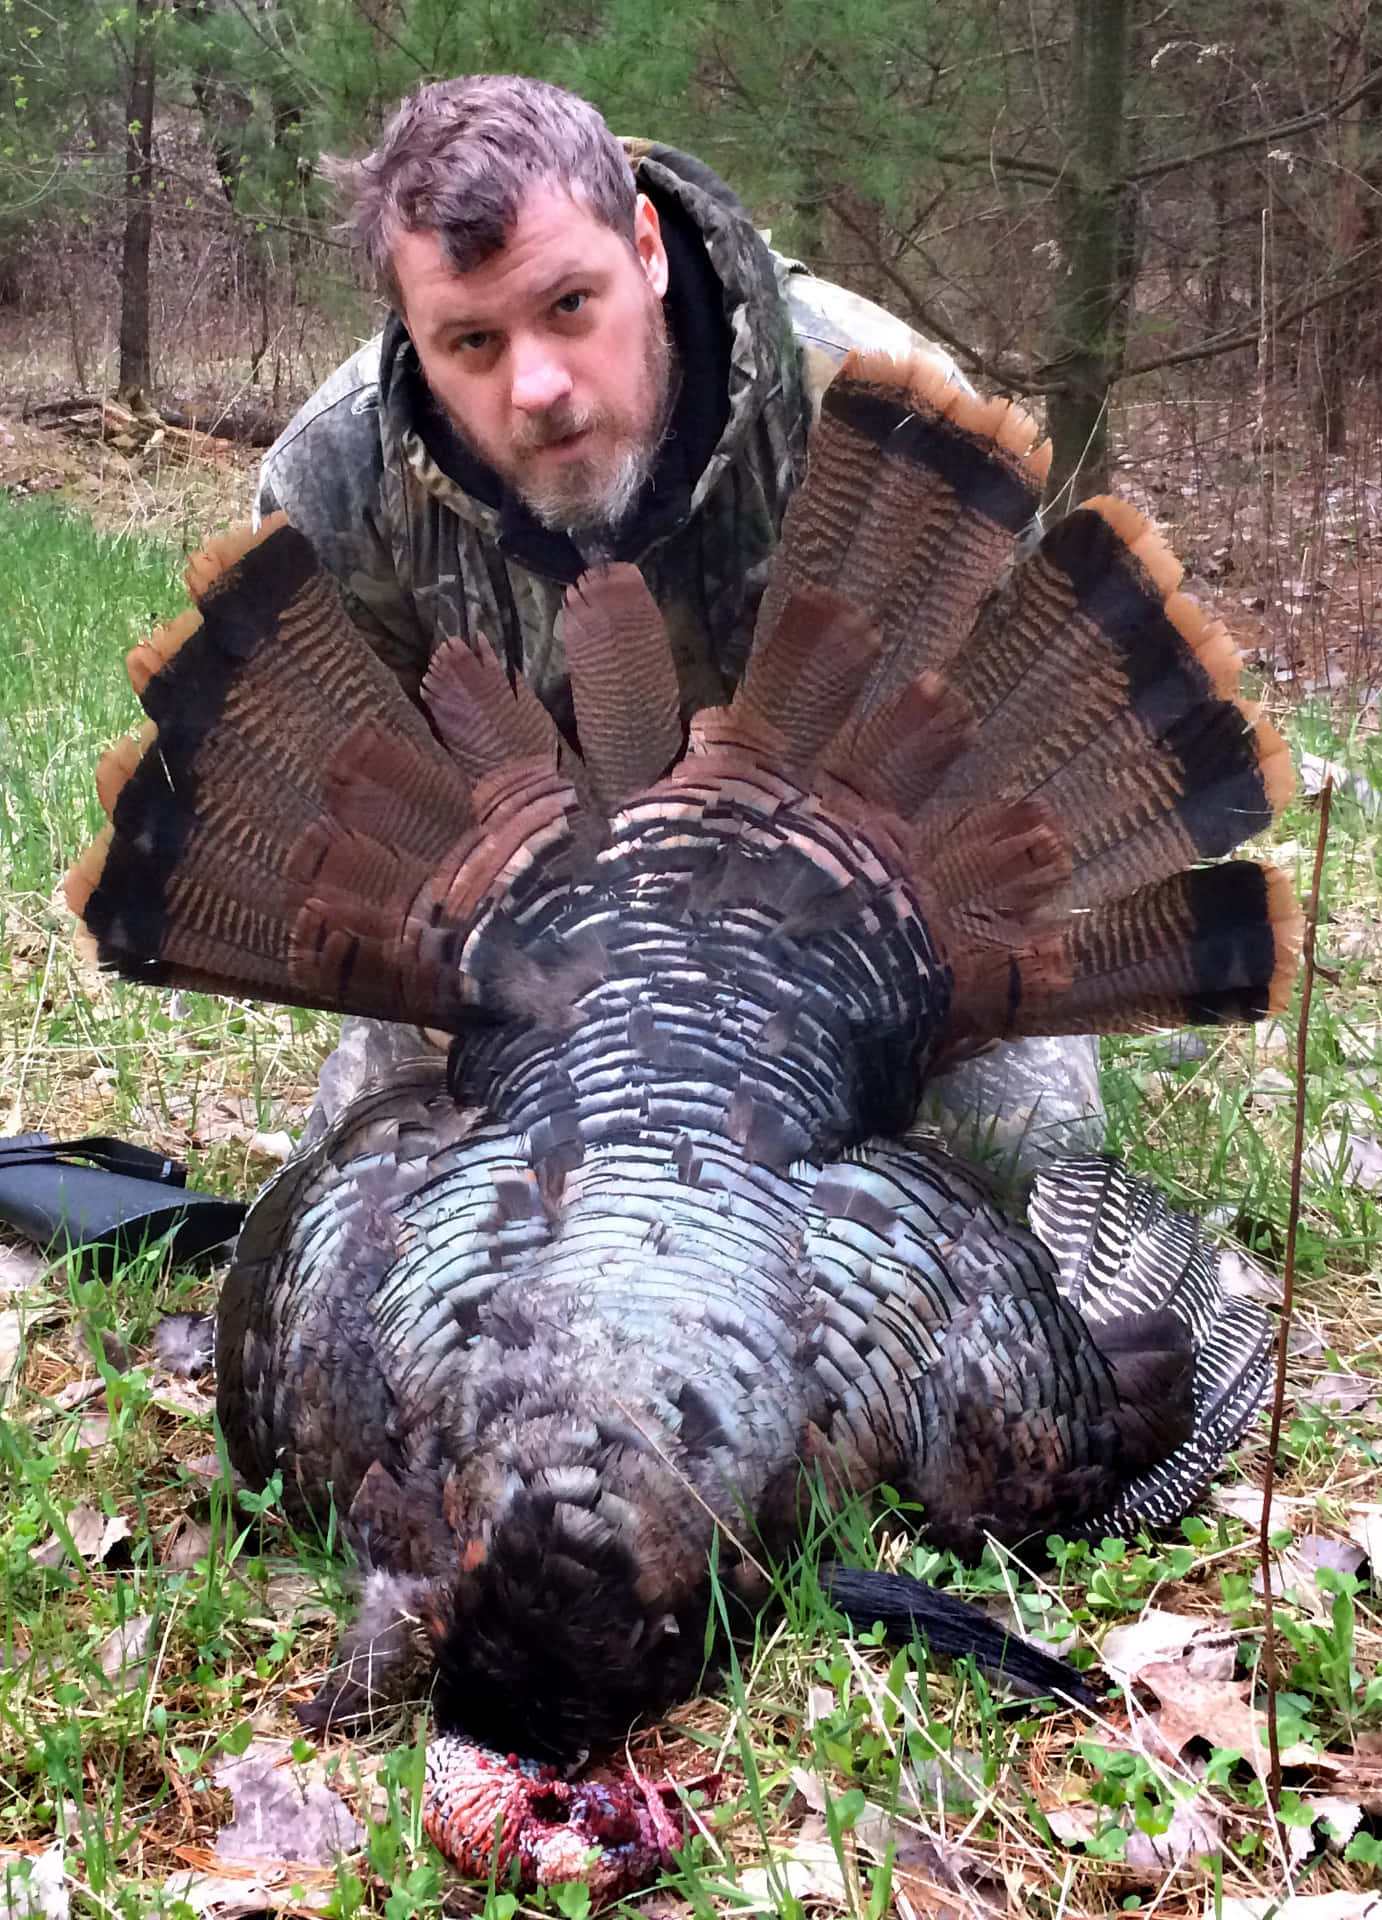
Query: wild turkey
[[553, 1322]]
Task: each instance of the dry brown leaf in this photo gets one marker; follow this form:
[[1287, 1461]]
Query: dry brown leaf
[[1297, 1567], [936, 1877], [1217, 1711], [11, 1348], [93, 1535], [1243, 1277], [180, 1396], [1365, 1530], [1343, 1392], [1353, 1159], [93, 1431], [122, 1654], [77, 1392], [808, 1869], [1193, 1830], [187, 1542], [1359, 1775]]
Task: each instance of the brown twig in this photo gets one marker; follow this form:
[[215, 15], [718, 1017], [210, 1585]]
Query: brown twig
[[1283, 1335]]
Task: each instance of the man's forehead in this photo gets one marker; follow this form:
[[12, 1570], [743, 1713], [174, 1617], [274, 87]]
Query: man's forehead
[[554, 233]]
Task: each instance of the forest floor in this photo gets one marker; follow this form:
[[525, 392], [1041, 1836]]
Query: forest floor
[[159, 1626]]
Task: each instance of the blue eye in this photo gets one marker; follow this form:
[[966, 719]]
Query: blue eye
[[571, 302], [472, 342]]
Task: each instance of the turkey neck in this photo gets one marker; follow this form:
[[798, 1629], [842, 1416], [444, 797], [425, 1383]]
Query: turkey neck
[[726, 969]]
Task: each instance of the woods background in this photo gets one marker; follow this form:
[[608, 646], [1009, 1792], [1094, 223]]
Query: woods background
[[1162, 225]]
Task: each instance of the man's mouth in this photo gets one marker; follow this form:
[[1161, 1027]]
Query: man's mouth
[[567, 444]]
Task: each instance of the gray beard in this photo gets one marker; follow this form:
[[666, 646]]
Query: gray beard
[[595, 521]]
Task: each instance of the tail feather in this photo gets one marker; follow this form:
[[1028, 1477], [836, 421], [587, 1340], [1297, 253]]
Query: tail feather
[[900, 516], [623, 682], [484, 720], [806, 675], [267, 716], [1212, 945]]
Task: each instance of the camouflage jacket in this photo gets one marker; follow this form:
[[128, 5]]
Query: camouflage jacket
[[426, 541]]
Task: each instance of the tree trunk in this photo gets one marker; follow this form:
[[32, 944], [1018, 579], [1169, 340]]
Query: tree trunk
[[1341, 324], [1097, 234], [135, 372]]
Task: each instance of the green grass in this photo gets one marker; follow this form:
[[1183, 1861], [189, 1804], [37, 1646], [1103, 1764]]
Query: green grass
[[124, 1763]]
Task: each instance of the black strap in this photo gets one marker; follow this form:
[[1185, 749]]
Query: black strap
[[100, 1149]]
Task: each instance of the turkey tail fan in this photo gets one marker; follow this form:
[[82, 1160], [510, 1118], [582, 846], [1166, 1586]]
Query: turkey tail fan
[[287, 826], [1059, 727], [1125, 1259]]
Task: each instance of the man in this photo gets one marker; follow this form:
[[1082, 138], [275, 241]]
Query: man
[[592, 356]]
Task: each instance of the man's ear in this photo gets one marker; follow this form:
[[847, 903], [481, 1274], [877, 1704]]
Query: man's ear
[[647, 241]]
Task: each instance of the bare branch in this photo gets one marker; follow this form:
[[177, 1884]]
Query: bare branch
[[1283, 130], [1283, 1335]]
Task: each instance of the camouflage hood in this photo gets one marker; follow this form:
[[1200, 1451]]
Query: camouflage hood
[[427, 541]]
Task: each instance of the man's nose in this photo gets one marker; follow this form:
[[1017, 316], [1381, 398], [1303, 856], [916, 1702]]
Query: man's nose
[[539, 380]]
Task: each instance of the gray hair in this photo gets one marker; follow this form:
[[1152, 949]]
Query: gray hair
[[458, 158]]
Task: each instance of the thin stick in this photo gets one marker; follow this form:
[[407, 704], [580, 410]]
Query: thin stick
[[1288, 1284]]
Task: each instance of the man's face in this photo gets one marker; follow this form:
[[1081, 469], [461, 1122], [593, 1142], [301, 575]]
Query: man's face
[[551, 358]]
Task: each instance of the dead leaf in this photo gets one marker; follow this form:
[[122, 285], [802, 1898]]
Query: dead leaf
[[1193, 1830], [208, 1469], [1359, 1774], [1342, 1392], [1211, 1650], [11, 1348], [1351, 1159], [294, 1595], [122, 1654], [1296, 1569], [188, 1542], [1216, 1711], [1301, 1906], [1365, 1528], [1314, 769], [180, 1396], [808, 1869], [93, 1431], [222, 1896], [77, 1392], [93, 1535], [936, 1876], [1245, 1279], [21, 1268], [279, 1817], [1340, 1819], [34, 1889]]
